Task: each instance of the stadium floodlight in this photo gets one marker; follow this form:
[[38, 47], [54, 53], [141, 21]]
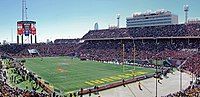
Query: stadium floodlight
[[118, 17], [186, 9]]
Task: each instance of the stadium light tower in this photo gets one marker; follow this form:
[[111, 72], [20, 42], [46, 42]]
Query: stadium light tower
[[118, 17], [186, 9]]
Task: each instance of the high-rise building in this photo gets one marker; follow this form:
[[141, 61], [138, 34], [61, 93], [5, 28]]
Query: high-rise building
[[161, 17]]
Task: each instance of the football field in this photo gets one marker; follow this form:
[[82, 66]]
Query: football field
[[70, 74]]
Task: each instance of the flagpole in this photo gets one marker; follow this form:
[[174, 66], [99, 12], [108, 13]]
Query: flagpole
[[134, 52], [181, 75], [181, 79], [156, 68], [123, 56], [133, 57]]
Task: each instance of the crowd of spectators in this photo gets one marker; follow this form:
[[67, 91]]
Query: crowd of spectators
[[143, 49], [193, 65], [53, 49], [8, 91], [107, 33], [44, 49], [150, 31], [67, 41]]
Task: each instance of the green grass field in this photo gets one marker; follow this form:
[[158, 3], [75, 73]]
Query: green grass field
[[67, 74]]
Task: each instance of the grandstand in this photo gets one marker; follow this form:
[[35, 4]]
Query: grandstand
[[157, 47]]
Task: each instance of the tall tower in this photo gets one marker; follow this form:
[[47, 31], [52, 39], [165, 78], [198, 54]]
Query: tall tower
[[23, 7], [186, 9], [118, 17], [96, 26]]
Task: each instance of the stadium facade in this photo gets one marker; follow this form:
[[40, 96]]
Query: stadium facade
[[152, 19]]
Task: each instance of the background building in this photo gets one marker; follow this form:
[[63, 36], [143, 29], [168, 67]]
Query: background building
[[152, 19], [193, 21]]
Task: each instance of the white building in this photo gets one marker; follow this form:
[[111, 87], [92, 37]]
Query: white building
[[152, 19], [194, 21]]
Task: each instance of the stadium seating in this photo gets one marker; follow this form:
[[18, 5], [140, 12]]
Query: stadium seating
[[7, 91], [178, 30], [173, 42]]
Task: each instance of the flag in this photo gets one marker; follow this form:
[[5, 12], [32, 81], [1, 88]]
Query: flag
[[33, 51]]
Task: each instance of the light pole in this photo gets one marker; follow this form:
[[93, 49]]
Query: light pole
[[133, 57], [156, 80], [156, 76], [186, 9], [181, 79], [181, 76]]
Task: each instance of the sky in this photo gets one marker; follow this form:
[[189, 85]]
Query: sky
[[62, 19]]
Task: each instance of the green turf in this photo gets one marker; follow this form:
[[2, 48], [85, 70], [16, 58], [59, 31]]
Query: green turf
[[69, 74]]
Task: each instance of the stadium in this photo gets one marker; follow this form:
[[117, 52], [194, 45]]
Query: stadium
[[146, 61]]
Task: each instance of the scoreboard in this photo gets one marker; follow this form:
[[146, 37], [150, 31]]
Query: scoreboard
[[26, 28]]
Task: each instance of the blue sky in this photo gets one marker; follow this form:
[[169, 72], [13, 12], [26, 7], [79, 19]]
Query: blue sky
[[74, 18]]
